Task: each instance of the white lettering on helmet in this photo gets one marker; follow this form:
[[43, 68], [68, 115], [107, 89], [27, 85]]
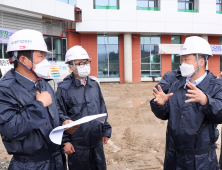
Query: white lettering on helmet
[[22, 42]]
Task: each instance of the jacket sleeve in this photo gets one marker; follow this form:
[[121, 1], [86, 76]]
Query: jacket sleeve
[[62, 117], [62, 112], [213, 109], [106, 127], [161, 112], [167, 80], [17, 122]]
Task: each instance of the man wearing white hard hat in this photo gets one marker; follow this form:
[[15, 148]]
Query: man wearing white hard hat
[[78, 96], [191, 100], [28, 106]]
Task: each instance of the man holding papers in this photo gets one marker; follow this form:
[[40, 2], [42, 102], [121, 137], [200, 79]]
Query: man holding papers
[[28, 107], [79, 96]]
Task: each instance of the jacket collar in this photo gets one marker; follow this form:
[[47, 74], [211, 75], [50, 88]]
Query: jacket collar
[[203, 85], [77, 82], [23, 81]]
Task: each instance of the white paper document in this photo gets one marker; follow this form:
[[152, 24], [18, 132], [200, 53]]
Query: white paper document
[[57, 133]]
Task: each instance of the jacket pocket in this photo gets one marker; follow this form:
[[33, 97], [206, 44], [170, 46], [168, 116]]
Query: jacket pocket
[[73, 108]]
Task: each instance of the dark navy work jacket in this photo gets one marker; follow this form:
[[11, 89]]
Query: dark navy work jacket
[[191, 130], [25, 123]]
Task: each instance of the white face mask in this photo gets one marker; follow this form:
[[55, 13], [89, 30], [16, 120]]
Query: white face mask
[[42, 68], [83, 71], [187, 69]]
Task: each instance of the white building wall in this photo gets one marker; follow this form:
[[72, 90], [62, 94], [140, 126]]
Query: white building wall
[[47, 8], [167, 20]]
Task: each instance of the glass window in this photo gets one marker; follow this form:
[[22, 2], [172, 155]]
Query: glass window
[[65, 1], [145, 53], [112, 2], [4, 51], [186, 6], [150, 59], [106, 4], [219, 6], [147, 5], [1, 52], [102, 54], [155, 39], [155, 58], [102, 2], [57, 49], [108, 56], [113, 40], [175, 62], [151, 3], [48, 41], [101, 40], [181, 5], [145, 40], [71, 2], [57, 46], [142, 3], [175, 39]]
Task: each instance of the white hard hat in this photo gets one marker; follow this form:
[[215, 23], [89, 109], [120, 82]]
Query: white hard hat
[[27, 40], [76, 53], [196, 45]]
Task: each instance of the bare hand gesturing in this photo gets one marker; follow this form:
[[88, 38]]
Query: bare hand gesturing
[[160, 96], [196, 95]]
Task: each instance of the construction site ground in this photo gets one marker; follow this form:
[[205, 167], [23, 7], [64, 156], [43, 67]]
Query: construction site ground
[[138, 137]]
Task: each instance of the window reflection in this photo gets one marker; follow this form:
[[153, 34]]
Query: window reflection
[[155, 39], [106, 4], [142, 3], [71, 2], [65, 1], [57, 46], [147, 3], [108, 56], [145, 53], [175, 39], [150, 60], [1, 56], [186, 4], [102, 2], [4, 51], [219, 5]]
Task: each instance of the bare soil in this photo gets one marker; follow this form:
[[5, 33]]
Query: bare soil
[[138, 137]]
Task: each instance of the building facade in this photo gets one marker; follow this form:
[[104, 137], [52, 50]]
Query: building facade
[[121, 36]]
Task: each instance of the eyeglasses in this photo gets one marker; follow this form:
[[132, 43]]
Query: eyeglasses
[[82, 64]]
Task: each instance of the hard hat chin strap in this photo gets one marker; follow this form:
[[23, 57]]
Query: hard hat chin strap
[[15, 57], [74, 67], [198, 68]]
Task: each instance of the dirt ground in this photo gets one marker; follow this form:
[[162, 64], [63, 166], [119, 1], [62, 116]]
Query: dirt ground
[[138, 137]]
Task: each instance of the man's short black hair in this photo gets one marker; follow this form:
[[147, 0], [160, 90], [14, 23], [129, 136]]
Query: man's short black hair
[[20, 53]]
